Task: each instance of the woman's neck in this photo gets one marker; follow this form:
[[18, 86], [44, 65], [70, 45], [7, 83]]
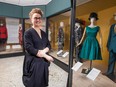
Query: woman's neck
[[38, 30], [36, 27]]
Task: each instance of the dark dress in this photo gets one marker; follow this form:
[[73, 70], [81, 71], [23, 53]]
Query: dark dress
[[78, 32], [60, 39], [111, 45], [90, 48], [35, 69]]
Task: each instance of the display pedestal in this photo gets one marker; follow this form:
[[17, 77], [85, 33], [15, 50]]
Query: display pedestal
[[86, 71], [2, 47]]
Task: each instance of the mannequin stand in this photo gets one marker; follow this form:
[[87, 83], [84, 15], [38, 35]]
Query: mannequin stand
[[86, 71], [90, 64]]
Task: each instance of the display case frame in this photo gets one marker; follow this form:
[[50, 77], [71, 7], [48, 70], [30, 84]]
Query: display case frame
[[64, 66]]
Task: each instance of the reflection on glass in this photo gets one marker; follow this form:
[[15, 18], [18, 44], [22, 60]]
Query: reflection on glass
[[10, 35], [59, 36]]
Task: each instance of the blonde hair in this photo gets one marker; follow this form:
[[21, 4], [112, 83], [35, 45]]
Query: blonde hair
[[36, 10]]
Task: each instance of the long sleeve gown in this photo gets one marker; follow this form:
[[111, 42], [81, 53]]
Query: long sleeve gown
[[35, 69]]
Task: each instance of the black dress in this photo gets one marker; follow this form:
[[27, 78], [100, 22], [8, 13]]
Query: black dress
[[35, 69], [78, 32], [60, 39]]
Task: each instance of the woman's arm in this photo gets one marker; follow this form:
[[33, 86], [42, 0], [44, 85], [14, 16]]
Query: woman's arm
[[28, 43], [46, 50], [43, 53]]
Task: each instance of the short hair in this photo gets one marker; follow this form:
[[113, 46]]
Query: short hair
[[36, 10]]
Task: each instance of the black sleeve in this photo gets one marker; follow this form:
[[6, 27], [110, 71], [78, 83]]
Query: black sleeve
[[28, 43]]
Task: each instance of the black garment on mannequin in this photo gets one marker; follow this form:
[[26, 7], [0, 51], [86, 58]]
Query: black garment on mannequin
[[111, 45], [78, 35]]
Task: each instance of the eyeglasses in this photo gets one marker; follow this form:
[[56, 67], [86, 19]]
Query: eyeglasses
[[38, 18]]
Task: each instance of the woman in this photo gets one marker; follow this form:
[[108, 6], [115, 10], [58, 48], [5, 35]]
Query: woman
[[36, 61]]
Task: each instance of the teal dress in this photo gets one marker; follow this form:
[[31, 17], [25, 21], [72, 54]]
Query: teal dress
[[90, 48]]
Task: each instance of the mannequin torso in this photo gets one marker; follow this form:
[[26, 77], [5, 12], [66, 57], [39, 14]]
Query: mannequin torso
[[93, 23], [61, 36], [111, 46], [78, 32]]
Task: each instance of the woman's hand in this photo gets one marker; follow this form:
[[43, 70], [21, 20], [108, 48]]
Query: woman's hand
[[49, 58], [46, 50], [41, 53]]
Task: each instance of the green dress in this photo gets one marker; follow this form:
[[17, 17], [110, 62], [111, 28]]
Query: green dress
[[90, 48]]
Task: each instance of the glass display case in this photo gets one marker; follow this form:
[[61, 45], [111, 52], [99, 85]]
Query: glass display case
[[59, 36], [10, 35]]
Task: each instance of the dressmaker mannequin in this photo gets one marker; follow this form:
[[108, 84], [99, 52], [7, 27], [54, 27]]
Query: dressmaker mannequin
[[91, 48], [20, 34], [3, 36], [60, 38], [78, 32], [111, 46]]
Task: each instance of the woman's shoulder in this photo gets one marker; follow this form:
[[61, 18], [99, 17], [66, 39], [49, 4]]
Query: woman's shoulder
[[29, 30]]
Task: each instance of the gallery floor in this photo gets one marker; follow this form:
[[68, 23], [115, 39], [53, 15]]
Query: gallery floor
[[11, 73]]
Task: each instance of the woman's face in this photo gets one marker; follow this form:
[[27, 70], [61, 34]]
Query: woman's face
[[36, 19]]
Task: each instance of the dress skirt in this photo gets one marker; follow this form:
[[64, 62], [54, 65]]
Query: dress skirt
[[35, 72]]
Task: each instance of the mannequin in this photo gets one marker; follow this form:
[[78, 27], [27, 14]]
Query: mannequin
[[3, 36], [61, 38], [111, 46], [20, 34], [78, 32], [91, 48]]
